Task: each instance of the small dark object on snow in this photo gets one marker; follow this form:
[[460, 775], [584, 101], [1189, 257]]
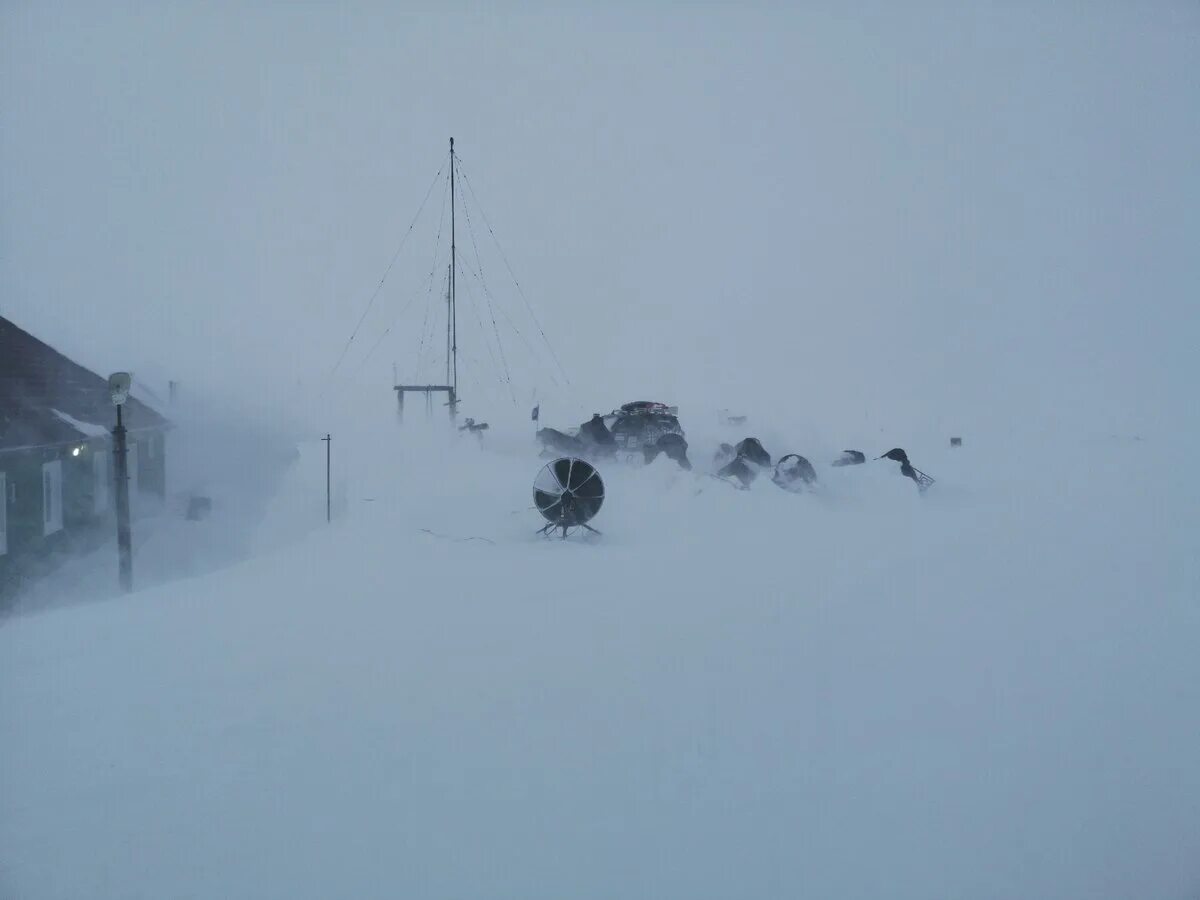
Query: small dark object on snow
[[851, 458], [472, 427], [751, 449], [922, 480], [956, 442], [728, 418], [198, 508], [673, 446], [793, 472]]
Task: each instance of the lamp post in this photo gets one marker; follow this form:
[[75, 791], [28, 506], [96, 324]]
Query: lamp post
[[118, 386]]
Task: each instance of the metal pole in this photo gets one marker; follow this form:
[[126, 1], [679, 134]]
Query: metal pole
[[124, 535], [328, 493], [453, 300]]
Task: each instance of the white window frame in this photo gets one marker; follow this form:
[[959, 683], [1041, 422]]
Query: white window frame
[[52, 497]]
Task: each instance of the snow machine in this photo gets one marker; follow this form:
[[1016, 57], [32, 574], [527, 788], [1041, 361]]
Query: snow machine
[[644, 429], [637, 432], [568, 492], [851, 458], [559, 443], [597, 438], [640, 424], [907, 469], [794, 473], [749, 458], [740, 472], [671, 445], [475, 428], [752, 450]]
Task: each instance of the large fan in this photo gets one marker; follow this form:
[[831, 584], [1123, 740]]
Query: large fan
[[568, 492]]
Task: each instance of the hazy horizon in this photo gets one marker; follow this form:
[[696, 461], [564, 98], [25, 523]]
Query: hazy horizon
[[950, 213]]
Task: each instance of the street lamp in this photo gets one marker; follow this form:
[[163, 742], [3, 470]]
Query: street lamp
[[118, 386]]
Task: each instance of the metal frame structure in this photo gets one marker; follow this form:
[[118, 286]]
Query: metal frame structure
[[451, 388], [428, 390]]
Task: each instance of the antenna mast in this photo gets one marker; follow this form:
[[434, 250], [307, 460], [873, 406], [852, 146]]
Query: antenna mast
[[451, 327]]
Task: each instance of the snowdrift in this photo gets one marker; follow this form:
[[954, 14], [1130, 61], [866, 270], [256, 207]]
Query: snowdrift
[[988, 691]]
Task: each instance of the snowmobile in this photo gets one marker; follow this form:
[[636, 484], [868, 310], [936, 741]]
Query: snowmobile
[[751, 449], [671, 445], [475, 428], [636, 432], [907, 469], [558, 443], [749, 458], [850, 458], [640, 424], [742, 464], [597, 438], [644, 429], [794, 473]]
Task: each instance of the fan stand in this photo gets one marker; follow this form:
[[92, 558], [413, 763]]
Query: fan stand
[[565, 521], [554, 526]]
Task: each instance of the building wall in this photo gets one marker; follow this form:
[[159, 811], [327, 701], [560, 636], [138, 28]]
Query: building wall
[[152, 469], [30, 551]]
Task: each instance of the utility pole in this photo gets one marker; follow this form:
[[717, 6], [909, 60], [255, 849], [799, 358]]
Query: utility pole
[[453, 300], [118, 384], [328, 493]]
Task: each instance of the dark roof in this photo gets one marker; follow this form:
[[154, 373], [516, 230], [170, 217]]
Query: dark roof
[[36, 380]]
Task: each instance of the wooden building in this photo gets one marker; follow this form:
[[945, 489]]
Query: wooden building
[[56, 464]]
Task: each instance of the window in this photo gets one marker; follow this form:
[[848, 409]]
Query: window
[[52, 499]]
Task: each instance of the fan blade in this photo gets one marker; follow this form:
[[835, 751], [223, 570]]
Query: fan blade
[[591, 488], [587, 507], [581, 473], [544, 501], [547, 482], [562, 471]]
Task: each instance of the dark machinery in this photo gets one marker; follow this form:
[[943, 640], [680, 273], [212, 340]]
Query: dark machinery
[[907, 469], [794, 473], [636, 426], [568, 492]]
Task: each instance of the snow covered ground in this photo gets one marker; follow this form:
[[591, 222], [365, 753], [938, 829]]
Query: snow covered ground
[[864, 226], [988, 691]]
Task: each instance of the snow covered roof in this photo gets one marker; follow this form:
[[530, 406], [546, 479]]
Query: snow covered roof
[[47, 399], [86, 428]]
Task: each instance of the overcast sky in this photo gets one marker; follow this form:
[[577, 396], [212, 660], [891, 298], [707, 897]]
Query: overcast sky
[[955, 215]]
